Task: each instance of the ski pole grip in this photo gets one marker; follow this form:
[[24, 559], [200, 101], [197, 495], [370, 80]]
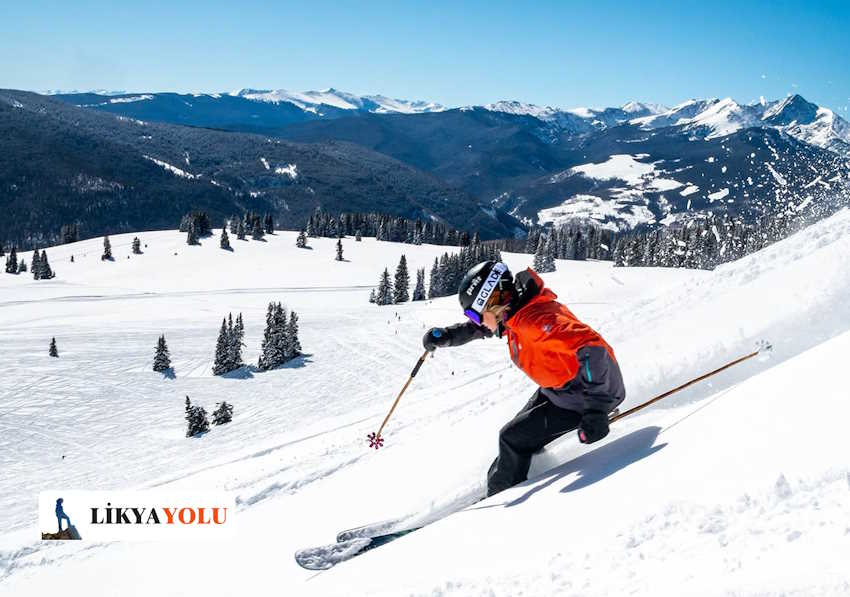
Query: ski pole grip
[[419, 364]]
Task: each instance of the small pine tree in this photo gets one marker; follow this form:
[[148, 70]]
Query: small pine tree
[[223, 413], [384, 294], [240, 230], [196, 419], [257, 230], [225, 240], [419, 291], [435, 287], [192, 235], [234, 225], [301, 241], [269, 224], [12, 262], [268, 348], [539, 264], [36, 265], [45, 272], [137, 246], [358, 237], [402, 282], [293, 343], [162, 359], [237, 342], [222, 353], [549, 255], [372, 296], [53, 351], [282, 349], [22, 267], [339, 249], [107, 249]]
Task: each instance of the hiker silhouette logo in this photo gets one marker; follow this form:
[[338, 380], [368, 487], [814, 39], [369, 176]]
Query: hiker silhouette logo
[[69, 533]]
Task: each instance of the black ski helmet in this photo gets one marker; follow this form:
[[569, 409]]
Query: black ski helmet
[[481, 281]]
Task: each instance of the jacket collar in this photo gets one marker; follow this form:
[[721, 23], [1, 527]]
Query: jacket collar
[[530, 288]]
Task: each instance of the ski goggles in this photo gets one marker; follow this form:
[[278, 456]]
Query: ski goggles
[[473, 315]]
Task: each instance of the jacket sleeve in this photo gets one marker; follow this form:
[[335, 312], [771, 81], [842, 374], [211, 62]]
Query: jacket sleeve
[[461, 333]]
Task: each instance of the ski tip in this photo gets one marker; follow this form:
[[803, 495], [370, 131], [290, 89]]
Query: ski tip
[[327, 556]]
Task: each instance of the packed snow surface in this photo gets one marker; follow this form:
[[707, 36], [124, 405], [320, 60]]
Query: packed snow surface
[[739, 485]]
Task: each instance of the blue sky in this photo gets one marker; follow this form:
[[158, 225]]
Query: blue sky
[[562, 54]]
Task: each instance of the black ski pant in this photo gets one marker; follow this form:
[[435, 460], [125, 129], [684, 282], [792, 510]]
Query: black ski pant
[[538, 423]]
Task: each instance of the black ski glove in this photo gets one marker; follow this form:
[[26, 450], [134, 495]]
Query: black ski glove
[[436, 337], [593, 427]]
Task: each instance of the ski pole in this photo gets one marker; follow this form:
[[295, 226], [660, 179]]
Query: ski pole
[[763, 346], [375, 439]]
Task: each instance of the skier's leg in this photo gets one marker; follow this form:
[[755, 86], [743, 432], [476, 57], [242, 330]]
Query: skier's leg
[[59, 520], [538, 423]]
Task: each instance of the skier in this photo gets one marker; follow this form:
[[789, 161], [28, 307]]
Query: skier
[[579, 379], [60, 514]]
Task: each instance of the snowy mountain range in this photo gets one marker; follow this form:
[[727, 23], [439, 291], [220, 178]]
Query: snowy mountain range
[[316, 101], [637, 164]]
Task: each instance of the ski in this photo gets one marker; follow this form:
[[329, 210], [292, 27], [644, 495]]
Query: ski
[[356, 541], [325, 557]]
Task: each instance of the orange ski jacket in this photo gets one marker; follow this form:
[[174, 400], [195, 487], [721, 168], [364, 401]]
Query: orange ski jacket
[[544, 337]]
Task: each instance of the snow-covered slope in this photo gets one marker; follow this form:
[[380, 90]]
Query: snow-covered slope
[[738, 485]]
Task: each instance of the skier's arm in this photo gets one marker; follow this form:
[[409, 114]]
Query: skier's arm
[[454, 335]]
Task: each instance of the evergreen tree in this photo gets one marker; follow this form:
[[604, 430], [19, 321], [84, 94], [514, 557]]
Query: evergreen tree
[[257, 229], [53, 351], [294, 344], [162, 359], [12, 262], [402, 282], [339, 249], [36, 265], [192, 235], [539, 264], [384, 293], [107, 249], [196, 419], [549, 255], [223, 413], [225, 240], [435, 287], [137, 246], [301, 241], [269, 222], [237, 342], [283, 349], [234, 225], [269, 357], [22, 267], [240, 230], [45, 273], [222, 351], [419, 291], [359, 236], [372, 296]]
